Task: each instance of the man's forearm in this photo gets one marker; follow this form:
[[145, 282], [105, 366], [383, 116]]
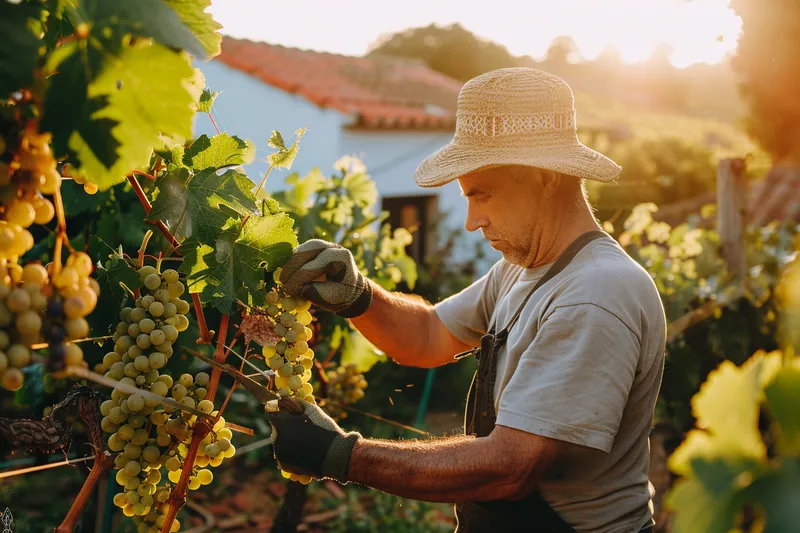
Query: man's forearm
[[442, 470], [398, 324]]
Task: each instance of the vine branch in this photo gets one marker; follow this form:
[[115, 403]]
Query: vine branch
[[205, 333]]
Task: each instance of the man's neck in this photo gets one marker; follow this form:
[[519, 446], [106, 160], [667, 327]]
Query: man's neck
[[559, 233]]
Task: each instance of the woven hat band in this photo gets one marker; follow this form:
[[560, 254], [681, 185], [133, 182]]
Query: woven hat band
[[513, 123]]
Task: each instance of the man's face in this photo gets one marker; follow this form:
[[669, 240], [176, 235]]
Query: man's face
[[505, 209]]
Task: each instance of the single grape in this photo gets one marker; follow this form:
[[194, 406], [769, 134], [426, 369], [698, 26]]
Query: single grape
[[142, 363], [76, 328], [152, 281], [178, 391], [147, 325], [279, 330], [176, 289], [74, 355], [200, 393], [285, 370], [132, 451], [157, 337], [137, 315], [135, 402], [186, 380], [288, 303], [156, 309], [275, 362], [18, 301], [143, 341], [304, 317], [205, 406], [205, 476]]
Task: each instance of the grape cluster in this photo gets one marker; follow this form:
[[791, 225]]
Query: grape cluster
[[146, 435], [290, 357], [346, 386], [144, 452], [144, 336], [30, 173], [35, 308]]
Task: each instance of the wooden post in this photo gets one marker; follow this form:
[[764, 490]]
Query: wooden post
[[732, 215]]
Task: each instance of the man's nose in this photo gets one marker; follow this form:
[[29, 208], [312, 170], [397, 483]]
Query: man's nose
[[475, 221]]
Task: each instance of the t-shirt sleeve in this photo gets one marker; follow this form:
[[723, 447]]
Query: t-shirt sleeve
[[466, 314], [573, 381]]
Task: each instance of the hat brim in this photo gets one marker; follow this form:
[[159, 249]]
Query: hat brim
[[453, 161]]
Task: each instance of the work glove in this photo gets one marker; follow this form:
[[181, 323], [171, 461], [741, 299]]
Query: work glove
[[326, 274], [311, 443]]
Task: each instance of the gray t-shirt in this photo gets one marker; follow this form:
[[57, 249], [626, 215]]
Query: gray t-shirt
[[582, 365]]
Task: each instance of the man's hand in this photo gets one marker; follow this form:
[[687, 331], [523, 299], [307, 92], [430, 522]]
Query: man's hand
[[311, 443], [343, 291]]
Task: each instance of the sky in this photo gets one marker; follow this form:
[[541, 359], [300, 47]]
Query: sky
[[698, 30]]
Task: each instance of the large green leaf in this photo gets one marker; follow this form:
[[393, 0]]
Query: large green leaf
[[233, 268], [216, 152], [190, 205], [19, 46], [113, 127], [144, 18], [726, 409], [193, 14], [284, 157]]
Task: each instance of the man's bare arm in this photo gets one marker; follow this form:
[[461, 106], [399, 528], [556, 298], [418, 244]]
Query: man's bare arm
[[407, 329], [505, 465]]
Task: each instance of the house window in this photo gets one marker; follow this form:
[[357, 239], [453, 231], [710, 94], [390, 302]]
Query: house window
[[417, 214]]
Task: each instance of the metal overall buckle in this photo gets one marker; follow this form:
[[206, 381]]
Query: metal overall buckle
[[487, 343]]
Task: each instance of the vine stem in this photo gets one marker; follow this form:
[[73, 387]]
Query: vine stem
[[102, 464], [201, 428], [205, 333], [219, 356], [62, 231]]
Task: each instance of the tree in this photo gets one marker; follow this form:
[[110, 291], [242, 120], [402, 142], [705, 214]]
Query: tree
[[451, 50], [768, 58], [562, 51]]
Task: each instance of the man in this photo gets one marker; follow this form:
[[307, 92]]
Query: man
[[560, 411]]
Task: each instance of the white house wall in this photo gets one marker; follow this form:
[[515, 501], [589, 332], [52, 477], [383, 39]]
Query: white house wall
[[251, 109], [391, 158]]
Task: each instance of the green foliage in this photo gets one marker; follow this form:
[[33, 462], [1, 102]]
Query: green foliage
[[341, 209], [19, 47], [688, 271], [725, 463]]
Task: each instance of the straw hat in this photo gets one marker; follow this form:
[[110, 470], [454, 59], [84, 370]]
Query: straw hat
[[515, 116]]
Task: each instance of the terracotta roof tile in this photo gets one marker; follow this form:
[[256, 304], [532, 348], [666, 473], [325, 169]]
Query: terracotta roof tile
[[379, 92]]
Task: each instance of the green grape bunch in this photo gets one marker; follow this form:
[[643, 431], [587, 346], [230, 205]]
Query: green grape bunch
[[346, 384], [147, 436], [290, 357]]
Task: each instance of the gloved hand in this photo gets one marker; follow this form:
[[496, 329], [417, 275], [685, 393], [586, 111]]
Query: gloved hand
[[344, 290], [311, 443]]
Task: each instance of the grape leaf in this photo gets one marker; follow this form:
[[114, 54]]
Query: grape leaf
[[189, 204], [777, 493], [783, 399], [19, 47], [710, 500], [193, 14], [206, 101], [234, 267], [361, 189], [357, 350], [284, 157], [145, 18], [216, 152], [112, 128], [726, 409]]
